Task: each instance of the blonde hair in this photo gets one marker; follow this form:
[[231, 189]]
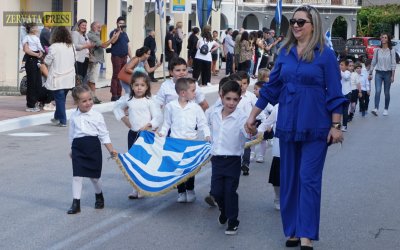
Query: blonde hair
[[263, 74], [317, 38]]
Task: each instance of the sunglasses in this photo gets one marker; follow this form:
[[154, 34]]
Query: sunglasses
[[300, 22]]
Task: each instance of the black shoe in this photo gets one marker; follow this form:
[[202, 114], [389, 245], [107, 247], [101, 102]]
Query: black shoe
[[99, 204], [210, 201], [232, 228], [292, 242], [222, 219], [245, 168], [114, 98], [75, 207], [154, 80], [96, 100], [306, 248]]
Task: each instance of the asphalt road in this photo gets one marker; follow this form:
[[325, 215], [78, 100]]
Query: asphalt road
[[360, 198]]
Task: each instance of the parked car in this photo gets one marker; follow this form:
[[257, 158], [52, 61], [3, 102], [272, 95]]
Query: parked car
[[339, 46], [361, 48], [396, 47]]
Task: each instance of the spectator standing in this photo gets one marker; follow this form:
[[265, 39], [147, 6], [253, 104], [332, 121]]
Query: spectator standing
[[229, 45], [61, 77], [45, 38], [202, 61], [150, 42], [237, 47], [33, 52], [246, 53], [384, 62], [82, 46], [120, 50], [96, 56], [179, 36], [170, 44], [214, 54], [192, 45]]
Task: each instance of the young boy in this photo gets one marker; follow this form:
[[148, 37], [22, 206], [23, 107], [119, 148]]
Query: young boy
[[247, 102], [346, 90], [365, 88], [178, 69], [184, 118], [355, 87], [226, 151]]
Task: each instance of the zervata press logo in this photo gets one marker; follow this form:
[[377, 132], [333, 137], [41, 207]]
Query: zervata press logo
[[47, 18]]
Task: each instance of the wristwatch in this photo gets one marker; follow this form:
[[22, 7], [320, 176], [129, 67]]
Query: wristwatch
[[336, 125]]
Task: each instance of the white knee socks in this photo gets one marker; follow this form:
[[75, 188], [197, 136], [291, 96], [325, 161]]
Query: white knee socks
[[77, 186]]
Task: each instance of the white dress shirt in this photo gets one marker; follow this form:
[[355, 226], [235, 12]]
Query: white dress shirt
[[271, 122], [247, 102], [355, 80], [183, 121], [141, 111], [167, 93], [210, 110], [90, 123], [346, 82], [228, 135], [365, 83]]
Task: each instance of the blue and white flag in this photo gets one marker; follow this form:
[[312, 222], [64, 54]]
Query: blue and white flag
[[328, 39], [159, 8], [154, 165], [278, 12]]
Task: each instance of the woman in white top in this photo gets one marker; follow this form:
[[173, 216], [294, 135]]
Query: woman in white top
[[82, 46], [202, 61], [384, 62], [61, 76], [34, 51]]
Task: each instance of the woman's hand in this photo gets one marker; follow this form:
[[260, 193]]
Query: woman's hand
[[335, 136], [250, 126], [392, 79]]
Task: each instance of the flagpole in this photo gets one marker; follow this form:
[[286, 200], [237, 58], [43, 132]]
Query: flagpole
[[162, 46]]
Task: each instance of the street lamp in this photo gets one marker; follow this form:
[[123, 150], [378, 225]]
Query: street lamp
[[217, 4]]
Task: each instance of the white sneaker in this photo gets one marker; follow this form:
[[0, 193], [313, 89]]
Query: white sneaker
[[55, 121], [209, 84], [49, 107], [374, 112], [190, 196], [252, 156], [135, 195], [181, 198], [260, 159], [385, 112], [35, 109], [277, 204], [344, 129]]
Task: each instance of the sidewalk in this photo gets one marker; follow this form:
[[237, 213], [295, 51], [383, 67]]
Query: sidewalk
[[13, 114]]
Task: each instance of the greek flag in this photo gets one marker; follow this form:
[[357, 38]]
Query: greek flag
[[159, 8], [328, 39], [278, 12], [154, 165]]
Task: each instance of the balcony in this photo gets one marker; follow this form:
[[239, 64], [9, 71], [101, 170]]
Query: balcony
[[299, 2]]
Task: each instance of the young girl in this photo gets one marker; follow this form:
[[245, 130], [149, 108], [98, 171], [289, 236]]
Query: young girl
[[87, 130], [143, 112], [274, 173]]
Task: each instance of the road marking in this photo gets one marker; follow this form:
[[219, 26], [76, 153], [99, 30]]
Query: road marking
[[33, 134]]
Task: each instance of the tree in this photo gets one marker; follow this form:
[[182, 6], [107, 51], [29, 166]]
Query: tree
[[374, 20]]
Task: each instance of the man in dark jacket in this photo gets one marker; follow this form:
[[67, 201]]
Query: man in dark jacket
[[150, 42]]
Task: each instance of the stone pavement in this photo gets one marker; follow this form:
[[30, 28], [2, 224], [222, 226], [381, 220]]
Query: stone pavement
[[14, 116]]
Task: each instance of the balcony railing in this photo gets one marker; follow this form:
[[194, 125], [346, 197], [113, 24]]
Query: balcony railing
[[298, 2]]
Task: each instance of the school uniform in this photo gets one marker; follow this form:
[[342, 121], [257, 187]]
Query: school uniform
[[140, 112], [365, 87], [226, 151], [184, 123], [87, 131], [167, 93], [346, 91]]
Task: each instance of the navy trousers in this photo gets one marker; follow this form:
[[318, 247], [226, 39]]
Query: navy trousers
[[301, 177], [224, 183]]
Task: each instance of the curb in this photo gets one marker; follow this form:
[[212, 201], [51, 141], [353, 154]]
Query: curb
[[39, 119]]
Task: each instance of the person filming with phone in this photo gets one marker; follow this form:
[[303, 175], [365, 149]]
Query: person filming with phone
[[119, 52]]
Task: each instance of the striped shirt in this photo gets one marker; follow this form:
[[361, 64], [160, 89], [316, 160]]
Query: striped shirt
[[384, 60]]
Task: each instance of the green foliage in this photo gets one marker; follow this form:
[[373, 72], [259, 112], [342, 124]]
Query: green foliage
[[376, 19], [339, 28]]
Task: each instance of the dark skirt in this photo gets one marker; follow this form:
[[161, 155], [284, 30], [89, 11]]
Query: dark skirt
[[87, 158], [274, 172]]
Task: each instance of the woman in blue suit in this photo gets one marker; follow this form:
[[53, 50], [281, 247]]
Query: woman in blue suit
[[305, 81]]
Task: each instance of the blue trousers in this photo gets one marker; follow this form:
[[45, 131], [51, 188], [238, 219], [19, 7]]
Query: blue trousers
[[224, 183], [382, 77], [301, 177]]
